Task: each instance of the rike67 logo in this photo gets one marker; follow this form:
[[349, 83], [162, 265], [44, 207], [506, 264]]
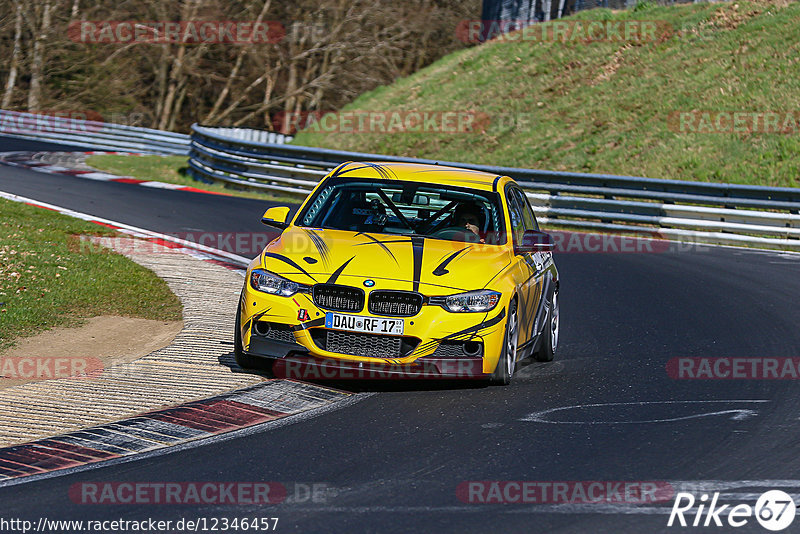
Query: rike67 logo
[[774, 510]]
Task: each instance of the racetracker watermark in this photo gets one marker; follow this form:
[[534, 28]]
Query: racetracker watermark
[[587, 243], [563, 31], [382, 122], [250, 244], [722, 368], [566, 492], [455, 368], [735, 122], [49, 367], [774, 510], [51, 121], [209, 492], [64, 121], [176, 32], [247, 244]]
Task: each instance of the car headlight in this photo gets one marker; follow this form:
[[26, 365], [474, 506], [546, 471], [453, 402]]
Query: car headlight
[[482, 300], [264, 281]]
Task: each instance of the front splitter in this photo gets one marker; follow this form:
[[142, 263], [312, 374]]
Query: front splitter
[[312, 368]]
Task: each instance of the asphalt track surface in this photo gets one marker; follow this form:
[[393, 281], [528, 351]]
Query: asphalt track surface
[[393, 459]]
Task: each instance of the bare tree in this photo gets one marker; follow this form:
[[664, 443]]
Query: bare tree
[[332, 51], [177, 78], [15, 56], [39, 20], [234, 73]]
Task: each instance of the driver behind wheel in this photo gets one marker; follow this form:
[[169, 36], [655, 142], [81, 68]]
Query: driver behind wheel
[[468, 216]]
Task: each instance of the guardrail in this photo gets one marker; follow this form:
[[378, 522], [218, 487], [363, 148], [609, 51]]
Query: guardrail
[[91, 134], [675, 209]]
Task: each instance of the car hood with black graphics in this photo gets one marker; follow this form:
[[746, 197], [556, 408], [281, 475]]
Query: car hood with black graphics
[[429, 266]]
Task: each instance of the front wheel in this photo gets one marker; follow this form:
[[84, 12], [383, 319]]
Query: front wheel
[[547, 350], [508, 356], [245, 361]]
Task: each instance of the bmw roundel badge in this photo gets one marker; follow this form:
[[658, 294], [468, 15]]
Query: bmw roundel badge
[[369, 283]]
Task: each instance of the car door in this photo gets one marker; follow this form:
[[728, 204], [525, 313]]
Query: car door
[[529, 285], [541, 260]]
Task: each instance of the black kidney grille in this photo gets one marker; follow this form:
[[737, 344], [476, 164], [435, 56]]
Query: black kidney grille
[[339, 298], [395, 303]]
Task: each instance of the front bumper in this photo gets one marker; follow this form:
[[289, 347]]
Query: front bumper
[[312, 368], [427, 330]]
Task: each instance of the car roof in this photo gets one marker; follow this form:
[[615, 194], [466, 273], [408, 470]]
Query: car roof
[[419, 172]]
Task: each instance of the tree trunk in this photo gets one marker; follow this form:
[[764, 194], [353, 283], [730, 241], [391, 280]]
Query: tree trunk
[[234, 71], [37, 59], [178, 106], [291, 86], [162, 73], [176, 75], [12, 73], [172, 87], [270, 86]]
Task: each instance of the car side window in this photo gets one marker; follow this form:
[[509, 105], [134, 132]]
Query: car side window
[[528, 218], [515, 212]]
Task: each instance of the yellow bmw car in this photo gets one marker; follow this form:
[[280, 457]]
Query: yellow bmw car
[[402, 270]]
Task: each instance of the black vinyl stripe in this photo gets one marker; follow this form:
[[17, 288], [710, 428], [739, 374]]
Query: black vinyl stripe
[[497, 274], [470, 330], [376, 242], [440, 269], [253, 318], [418, 245], [309, 324], [337, 272], [523, 305], [341, 169], [478, 182], [384, 172], [264, 313], [288, 261], [485, 324], [384, 247], [320, 244], [451, 170]]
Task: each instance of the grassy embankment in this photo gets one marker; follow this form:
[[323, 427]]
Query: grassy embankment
[[610, 106], [47, 278]]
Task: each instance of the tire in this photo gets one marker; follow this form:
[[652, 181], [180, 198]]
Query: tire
[[550, 333], [507, 362], [245, 361]]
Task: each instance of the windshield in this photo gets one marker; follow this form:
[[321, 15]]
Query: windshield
[[406, 208]]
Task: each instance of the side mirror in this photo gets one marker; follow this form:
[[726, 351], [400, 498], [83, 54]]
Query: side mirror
[[276, 217], [533, 241]]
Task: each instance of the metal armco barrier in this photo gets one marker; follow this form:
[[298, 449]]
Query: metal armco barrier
[[686, 211], [91, 134], [55, 127]]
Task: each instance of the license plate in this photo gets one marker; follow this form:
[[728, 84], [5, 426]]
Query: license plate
[[358, 323]]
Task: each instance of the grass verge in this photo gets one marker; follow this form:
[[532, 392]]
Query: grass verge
[[172, 170], [48, 279], [610, 106]]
